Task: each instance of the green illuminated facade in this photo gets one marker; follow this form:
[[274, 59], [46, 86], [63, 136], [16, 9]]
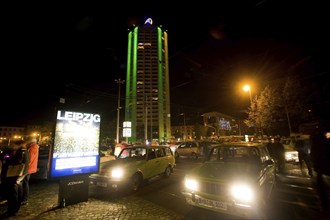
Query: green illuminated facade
[[147, 103]]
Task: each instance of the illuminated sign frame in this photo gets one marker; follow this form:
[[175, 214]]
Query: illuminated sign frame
[[127, 129], [76, 144]]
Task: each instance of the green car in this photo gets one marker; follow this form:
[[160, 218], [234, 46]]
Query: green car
[[133, 166], [236, 179]]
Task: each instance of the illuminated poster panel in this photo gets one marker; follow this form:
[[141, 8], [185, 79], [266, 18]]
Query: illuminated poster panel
[[76, 144]]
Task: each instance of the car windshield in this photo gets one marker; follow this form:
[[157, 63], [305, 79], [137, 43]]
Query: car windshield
[[136, 152], [234, 153]]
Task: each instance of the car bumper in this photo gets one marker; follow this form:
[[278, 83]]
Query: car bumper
[[226, 207], [107, 183]]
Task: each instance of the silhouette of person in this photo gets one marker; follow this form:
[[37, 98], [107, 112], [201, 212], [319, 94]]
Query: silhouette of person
[[303, 146], [320, 154], [13, 180], [277, 152]]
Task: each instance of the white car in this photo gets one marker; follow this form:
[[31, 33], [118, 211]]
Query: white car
[[236, 178], [134, 166]]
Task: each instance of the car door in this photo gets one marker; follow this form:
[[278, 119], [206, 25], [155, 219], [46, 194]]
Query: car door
[[152, 164], [194, 148], [183, 149], [268, 172], [161, 157]]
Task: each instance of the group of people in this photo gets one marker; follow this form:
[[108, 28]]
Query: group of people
[[314, 153], [19, 160]]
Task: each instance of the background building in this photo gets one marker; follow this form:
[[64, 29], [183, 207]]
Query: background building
[[8, 134], [147, 84]]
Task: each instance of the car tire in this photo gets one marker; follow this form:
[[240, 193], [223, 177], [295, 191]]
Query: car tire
[[136, 182], [194, 156], [168, 171]]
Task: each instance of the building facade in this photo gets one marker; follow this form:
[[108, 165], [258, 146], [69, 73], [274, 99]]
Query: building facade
[[147, 104], [8, 134]]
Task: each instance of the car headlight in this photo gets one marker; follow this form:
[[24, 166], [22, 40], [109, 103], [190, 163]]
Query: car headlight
[[191, 184], [288, 156], [242, 192], [117, 173]]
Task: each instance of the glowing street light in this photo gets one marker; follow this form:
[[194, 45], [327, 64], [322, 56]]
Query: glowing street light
[[247, 88]]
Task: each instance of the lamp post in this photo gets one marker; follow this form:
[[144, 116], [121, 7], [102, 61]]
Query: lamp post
[[146, 121], [184, 127], [119, 81], [247, 88]]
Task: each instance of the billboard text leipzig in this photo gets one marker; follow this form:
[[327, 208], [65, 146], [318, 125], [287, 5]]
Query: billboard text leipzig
[[76, 144]]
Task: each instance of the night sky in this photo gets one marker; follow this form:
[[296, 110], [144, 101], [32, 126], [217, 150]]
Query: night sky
[[77, 51]]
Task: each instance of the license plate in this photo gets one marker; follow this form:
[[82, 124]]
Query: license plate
[[101, 184], [211, 203]]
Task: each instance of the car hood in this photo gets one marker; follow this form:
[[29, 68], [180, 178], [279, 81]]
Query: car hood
[[123, 163], [225, 170]]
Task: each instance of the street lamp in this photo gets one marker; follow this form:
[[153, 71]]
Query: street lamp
[[247, 88], [184, 127], [119, 81]]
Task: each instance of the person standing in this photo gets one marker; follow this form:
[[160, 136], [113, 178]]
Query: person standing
[[320, 154], [33, 150], [303, 146], [15, 167], [277, 152]]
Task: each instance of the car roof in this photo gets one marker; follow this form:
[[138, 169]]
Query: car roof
[[247, 144], [148, 146]]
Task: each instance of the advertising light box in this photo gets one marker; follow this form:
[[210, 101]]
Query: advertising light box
[[76, 144]]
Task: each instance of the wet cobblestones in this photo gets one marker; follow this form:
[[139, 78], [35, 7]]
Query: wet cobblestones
[[43, 204]]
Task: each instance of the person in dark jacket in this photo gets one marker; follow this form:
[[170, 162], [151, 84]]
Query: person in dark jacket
[[13, 180], [320, 154], [277, 152], [303, 146]]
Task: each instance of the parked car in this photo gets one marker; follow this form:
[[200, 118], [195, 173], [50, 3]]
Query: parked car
[[174, 146], [133, 166], [236, 179], [194, 149], [119, 147]]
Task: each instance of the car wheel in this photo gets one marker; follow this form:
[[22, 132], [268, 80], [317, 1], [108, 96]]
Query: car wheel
[[136, 182], [194, 156], [168, 171]]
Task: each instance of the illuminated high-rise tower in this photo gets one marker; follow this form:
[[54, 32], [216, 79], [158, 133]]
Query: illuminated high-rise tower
[[147, 83]]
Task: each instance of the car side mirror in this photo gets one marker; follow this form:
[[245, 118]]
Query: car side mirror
[[269, 162]]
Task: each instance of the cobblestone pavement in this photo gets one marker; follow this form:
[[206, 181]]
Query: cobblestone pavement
[[43, 204]]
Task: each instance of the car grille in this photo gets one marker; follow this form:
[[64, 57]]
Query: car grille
[[211, 188]]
